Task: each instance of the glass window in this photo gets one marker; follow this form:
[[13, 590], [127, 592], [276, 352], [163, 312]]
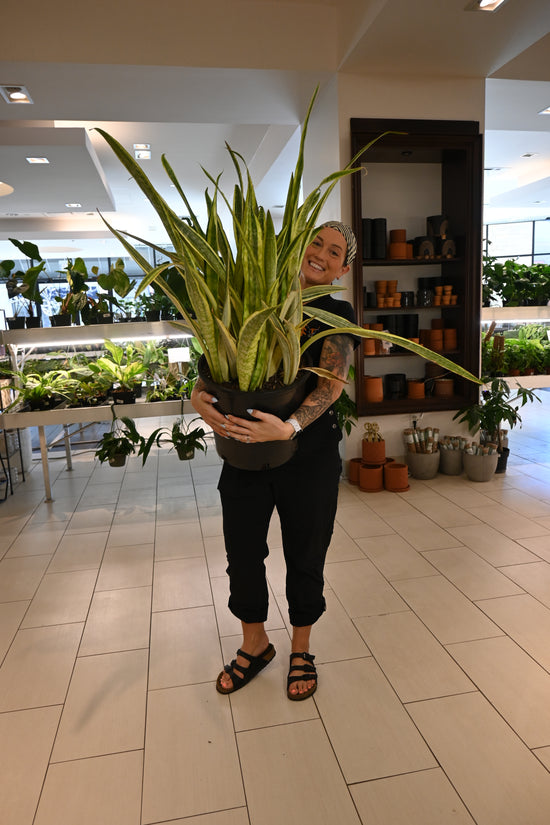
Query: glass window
[[508, 240], [542, 240]]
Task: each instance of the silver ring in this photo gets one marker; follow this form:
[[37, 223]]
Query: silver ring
[[248, 439]]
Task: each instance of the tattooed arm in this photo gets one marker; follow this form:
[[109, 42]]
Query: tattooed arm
[[336, 357]]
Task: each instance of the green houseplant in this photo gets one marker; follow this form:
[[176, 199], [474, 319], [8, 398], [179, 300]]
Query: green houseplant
[[119, 442], [123, 368], [183, 435], [243, 301], [24, 285], [42, 391]]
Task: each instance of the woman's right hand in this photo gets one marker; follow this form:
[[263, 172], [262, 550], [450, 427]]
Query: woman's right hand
[[203, 403]]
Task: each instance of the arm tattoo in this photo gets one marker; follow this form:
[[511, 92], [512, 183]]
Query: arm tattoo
[[336, 357]]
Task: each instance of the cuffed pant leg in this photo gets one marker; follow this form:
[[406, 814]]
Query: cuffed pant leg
[[247, 506], [306, 501]]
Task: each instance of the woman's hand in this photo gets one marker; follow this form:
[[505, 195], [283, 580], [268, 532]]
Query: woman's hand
[[203, 403], [267, 428]]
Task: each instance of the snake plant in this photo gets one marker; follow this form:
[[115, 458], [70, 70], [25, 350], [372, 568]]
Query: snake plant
[[247, 307]]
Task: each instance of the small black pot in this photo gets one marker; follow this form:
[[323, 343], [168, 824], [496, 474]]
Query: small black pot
[[281, 402], [60, 320], [32, 322], [502, 460], [16, 323]]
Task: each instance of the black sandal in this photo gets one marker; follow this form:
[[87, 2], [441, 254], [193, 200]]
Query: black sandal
[[308, 674], [257, 663]]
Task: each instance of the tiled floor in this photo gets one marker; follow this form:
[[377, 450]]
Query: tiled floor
[[434, 655]]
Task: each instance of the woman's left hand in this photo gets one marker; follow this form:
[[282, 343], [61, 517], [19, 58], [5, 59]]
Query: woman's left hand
[[267, 428]]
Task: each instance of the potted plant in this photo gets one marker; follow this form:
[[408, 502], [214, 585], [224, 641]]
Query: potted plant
[[42, 391], [23, 286], [498, 404], [119, 442], [100, 310], [247, 306], [183, 435], [123, 369]]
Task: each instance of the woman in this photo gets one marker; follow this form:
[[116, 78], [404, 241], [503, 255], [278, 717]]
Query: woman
[[304, 490]]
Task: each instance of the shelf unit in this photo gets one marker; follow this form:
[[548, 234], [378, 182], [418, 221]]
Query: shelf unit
[[57, 337], [429, 168]]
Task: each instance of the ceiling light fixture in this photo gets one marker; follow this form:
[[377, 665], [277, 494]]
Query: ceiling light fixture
[[484, 5], [530, 155], [15, 94], [5, 189], [142, 154], [545, 111], [142, 145], [73, 205], [37, 160]]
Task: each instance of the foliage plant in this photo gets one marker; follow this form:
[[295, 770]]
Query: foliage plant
[[182, 435], [122, 439], [238, 289], [497, 404], [24, 285], [123, 368], [42, 390]]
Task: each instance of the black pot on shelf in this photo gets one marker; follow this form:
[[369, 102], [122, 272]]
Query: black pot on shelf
[[32, 322], [502, 460], [16, 323], [395, 386], [60, 320]]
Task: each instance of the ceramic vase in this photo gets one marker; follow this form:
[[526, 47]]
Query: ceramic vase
[[423, 465]]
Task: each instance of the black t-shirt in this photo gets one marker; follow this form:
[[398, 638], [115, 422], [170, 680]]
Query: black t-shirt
[[326, 426]]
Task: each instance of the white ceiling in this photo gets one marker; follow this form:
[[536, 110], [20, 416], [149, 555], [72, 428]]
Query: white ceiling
[[255, 105]]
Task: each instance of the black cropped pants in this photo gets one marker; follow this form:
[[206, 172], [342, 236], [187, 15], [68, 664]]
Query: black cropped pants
[[305, 493]]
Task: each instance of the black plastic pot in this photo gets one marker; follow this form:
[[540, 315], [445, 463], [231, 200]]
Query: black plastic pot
[[502, 460], [16, 323], [232, 401]]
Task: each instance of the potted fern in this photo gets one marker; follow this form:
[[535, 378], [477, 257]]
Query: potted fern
[[238, 290], [119, 442]]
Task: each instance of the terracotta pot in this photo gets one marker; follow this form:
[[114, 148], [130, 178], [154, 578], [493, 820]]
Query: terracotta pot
[[449, 339], [396, 477], [444, 387], [371, 478], [415, 389], [423, 465], [353, 470], [480, 467], [373, 452], [374, 388]]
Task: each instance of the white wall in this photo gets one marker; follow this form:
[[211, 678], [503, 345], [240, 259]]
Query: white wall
[[402, 97]]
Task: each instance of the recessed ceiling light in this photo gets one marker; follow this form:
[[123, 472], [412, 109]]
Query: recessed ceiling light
[[530, 155], [5, 189], [38, 160], [142, 145], [142, 154], [484, 5], [545, 111], [73, 205], [15, 94]]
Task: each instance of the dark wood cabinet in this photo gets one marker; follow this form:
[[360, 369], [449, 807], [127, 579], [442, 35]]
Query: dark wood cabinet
[[429, 168]]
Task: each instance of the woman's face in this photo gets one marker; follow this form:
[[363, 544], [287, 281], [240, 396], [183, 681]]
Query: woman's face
[[323, 262]]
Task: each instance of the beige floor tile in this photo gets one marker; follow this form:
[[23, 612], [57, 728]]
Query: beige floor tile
[[185, 648], [342, 546], [172, 541], [129, 566], [11, 616], [177, 510], [442, 511], [421, 798], [520, 502], [99, 494], [299, 782], [534, 578], [105, 707], [61, 598], [36, 540], [395, 558], [413, 661], [82, 552], [228, 624], [118, 620], [509, 523], [544, 522], [359, 520], [361, 589], [216, 556], [20, 577], [449, 615], [492, 545], [191, 762], [539, 545], [236, 816], [142, 532], [92, 519], [103, 790], [496, 776], [181, 583], [370, 732], [514, 684], [130, 513], [526, 621], [27, 738], [544, 755], [38, 667], [211, 521], [471, 574], [58, 510], [175, 487], [426, 535]]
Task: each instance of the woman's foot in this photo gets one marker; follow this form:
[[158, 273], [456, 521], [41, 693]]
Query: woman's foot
[[302, 676], [250, 660]]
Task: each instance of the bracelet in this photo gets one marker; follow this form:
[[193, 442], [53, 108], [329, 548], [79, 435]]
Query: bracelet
[[296, 426]]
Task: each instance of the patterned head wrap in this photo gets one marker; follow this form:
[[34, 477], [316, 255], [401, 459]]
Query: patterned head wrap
[[347, 233]]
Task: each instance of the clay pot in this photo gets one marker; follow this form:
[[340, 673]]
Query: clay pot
[[423, 465], [449, 339], [353, 470], [415, 389], [444, 387], [396, 477], [371, 478], [373, 452], [374, 388]]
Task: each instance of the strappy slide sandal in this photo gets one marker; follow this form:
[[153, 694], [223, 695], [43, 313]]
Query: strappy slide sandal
[[241, 676], [307, 674]]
